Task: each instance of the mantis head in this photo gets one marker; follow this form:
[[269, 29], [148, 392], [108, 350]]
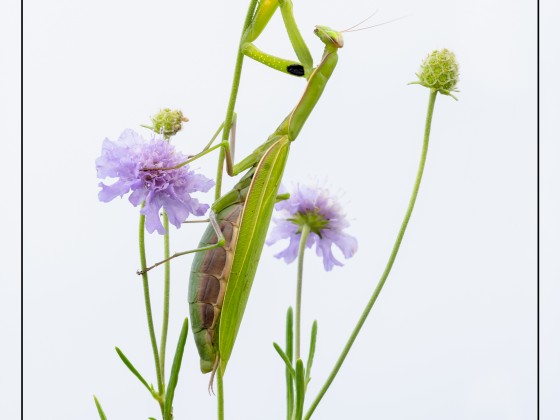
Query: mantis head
[[330, 37]]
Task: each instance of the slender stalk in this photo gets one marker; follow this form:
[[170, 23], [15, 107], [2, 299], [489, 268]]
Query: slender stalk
[[390, 262], [141, 243], [303, 240], [233, 98], [166, 288], [220, 380]]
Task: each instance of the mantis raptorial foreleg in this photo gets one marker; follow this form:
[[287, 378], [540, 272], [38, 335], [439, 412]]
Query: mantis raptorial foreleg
[[261, 18]]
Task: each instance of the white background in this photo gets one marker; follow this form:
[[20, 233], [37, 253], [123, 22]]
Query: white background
[[453, 334]]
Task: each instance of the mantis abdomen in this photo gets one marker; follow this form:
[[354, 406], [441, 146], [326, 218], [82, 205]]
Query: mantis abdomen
[[210, 273]]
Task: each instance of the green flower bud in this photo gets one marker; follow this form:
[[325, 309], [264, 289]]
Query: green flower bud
[[439, 71], [168, 122]]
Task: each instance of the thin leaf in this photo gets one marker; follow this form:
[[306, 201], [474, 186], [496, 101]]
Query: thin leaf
[[300, 390], [131, 367], [175, 368], [290, 357], [102, 415], [290, 335], [284, 357], [312, 345]]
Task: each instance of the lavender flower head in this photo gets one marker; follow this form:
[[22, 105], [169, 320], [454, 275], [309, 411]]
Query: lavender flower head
[[171, 190], [322, 213]]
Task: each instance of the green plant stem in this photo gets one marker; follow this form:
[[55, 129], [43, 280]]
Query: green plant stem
[[166, 289], [220, 380], [146, 286], [390, 262], [232, 99], [301, 252]]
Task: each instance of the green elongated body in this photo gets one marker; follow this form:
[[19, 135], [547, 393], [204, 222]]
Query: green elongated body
[[236, 213], [221, 278]]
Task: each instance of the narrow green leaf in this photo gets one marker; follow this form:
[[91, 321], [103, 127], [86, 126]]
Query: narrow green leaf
[[290, 334], [175, 368], [290, 356], [102, 415], [289, 366], [300, 389], [131, 367], [312, 345]]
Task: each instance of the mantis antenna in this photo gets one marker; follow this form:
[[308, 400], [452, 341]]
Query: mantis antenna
[[351, 29], [359, 23]]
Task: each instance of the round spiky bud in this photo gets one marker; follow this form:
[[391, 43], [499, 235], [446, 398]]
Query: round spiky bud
[[168, 122], [439, 71]]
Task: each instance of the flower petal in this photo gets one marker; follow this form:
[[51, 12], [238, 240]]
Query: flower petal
[[109, 192], [151, 211], [290, 253], [324, 250], [346, 243]]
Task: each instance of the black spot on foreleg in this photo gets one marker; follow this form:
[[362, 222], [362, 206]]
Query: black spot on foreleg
[[296, 69]]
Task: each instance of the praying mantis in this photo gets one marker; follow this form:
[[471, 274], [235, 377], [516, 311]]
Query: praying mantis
[[226, 261]]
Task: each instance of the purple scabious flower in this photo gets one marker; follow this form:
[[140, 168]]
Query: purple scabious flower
[[322, 213], [171, 190]]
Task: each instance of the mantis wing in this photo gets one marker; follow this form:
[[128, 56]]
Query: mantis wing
[[252, 233]]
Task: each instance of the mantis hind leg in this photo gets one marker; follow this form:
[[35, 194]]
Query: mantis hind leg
[[220, 242]]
